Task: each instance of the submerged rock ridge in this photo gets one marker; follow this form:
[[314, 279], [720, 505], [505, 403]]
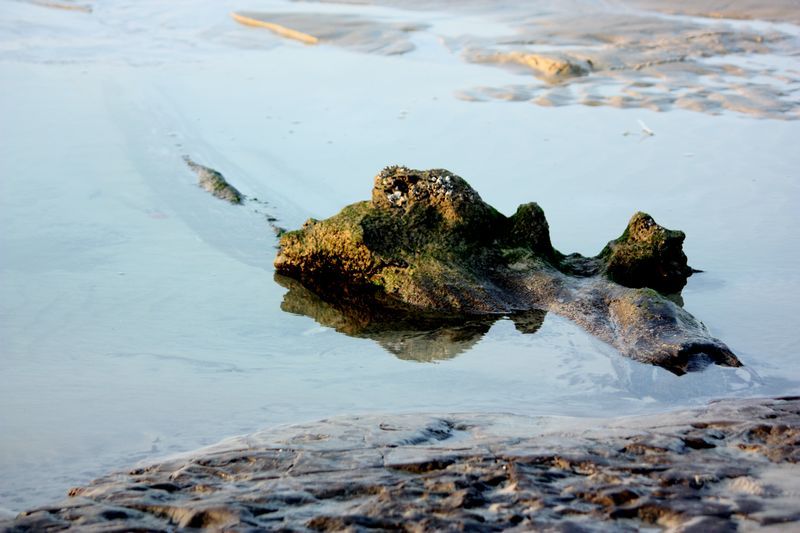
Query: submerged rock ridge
[[427, 242], [729, 466], [214, 182]]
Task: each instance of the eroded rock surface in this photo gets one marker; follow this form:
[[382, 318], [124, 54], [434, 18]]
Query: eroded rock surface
[[214, 182], [427, 243], [731, 465]]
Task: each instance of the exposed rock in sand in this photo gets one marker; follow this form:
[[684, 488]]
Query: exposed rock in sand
[[214, 182], [731, 465], [427, 243]]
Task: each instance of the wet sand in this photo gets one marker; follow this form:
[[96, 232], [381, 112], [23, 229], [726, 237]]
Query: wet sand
[[775, 10], [730, 466], [719, 56]]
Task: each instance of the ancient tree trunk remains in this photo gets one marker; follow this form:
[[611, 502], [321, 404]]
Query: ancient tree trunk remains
[[427, 242]]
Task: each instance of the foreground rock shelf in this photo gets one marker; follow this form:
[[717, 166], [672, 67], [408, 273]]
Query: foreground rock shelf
[[428, 245], [730, 465]]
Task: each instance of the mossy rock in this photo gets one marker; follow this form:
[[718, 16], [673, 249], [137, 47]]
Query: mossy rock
[[427, 242], [647, 255]]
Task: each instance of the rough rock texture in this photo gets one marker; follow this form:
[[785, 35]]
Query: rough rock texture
[[427, 242], [214, 182], [732, 465], [647, 255]]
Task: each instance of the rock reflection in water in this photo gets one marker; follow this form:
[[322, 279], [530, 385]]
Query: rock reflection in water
[[409, 336]]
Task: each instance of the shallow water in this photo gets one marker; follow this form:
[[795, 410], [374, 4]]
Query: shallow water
[[139, 315]]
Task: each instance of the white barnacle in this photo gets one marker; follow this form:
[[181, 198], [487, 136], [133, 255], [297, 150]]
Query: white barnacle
[[396, 198]]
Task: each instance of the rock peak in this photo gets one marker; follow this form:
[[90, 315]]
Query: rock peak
[[399, 187], [647, 255]]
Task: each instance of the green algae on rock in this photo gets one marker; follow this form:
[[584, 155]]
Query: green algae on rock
[[427, 242], [214, 182], [647, 255]]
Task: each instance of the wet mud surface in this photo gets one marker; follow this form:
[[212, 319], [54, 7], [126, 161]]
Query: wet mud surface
[[775, 10], [641, 59], [711, 57], [730, 465]]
